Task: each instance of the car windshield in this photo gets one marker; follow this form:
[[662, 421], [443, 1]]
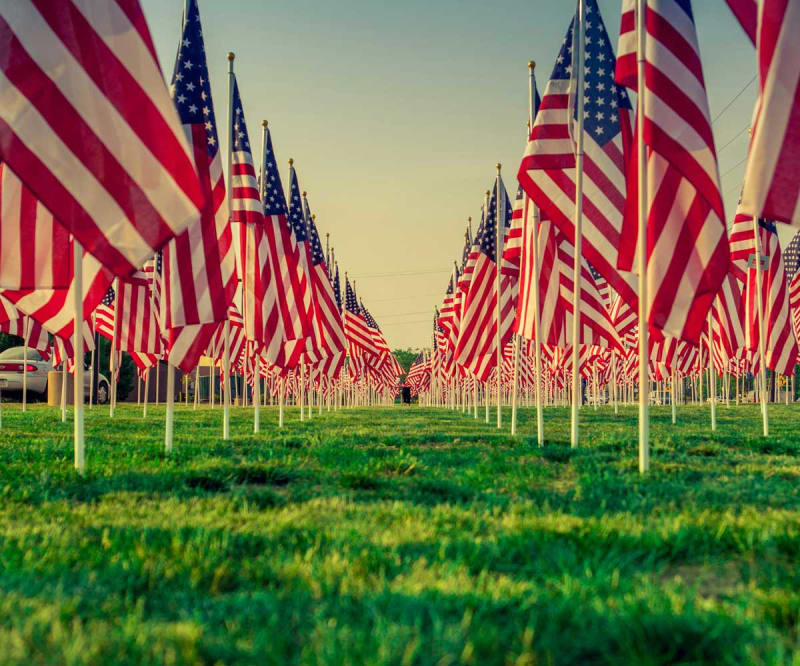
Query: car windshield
[[16, 353]]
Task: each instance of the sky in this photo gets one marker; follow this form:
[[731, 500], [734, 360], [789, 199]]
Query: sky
[[395, 114]]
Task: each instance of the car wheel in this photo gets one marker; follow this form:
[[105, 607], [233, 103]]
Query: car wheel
[[102, 393]]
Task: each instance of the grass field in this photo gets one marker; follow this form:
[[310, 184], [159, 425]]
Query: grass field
[[399, 536]]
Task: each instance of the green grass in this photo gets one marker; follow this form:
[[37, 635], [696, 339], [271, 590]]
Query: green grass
[[400, 536]]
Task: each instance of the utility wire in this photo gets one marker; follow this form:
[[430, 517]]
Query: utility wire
[[733, 138], [735, 97]]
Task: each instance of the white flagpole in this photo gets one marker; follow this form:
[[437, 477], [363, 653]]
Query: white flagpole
[[644, 415], [169, 428], [93, 360], [674, 395], [25, 364], [761, 341], [281, 385], [64, 389], [577, 45], [113, 355], [712, 388], [256, 395], [537, 315], [226, 357], [146, 392], [77, 342], [500, 213]]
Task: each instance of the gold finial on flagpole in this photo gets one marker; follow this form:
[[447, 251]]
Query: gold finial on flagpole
[[291, 161], [531, 64], [231, 55], [264, 123]]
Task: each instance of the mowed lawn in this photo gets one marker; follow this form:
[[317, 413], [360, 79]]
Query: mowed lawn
[[400, 536]]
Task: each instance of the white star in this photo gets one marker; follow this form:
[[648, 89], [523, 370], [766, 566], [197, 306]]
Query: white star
[[211, 141], [613, 103], [188, 64], [193, 109], [601, 56], [190, 86], [601, 86], [186, 43], [599, 129], [181, 99], [600, 115], [208, 126], [206, 110], [179, 77]]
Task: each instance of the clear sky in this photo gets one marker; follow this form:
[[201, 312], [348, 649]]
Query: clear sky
[[396, 113]]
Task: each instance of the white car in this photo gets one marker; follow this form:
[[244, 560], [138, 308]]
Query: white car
[[11, 370]]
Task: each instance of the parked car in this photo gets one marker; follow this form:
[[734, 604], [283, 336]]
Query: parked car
[[12, 364]]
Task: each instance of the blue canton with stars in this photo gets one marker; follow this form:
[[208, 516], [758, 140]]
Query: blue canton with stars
[[108, 299], [241, 142], [272, 189], [488, 231], [369, 318], [191, 90], [350, 302], [296, 208], [337, 288], [602, 97], [317, 255]]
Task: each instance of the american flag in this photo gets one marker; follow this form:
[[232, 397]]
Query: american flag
[[259, 309], [104, 315], [53, 308], [378, 338], [596, 326], [15, 323], [337, 289], [772, 189], [547, 172], [794, 304], [727, 321], [87, 125], [779, 341], [746, 12], [137, 323], [687, 245], [293, 292], [476, 349], [356, 329], [329, 337], [199, 269], [31, 240]]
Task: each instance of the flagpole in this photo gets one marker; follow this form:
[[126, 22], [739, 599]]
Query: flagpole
[[644, 407], [169, 427], [226, 357], [537, 316], [146, 392], [77, 342], [712, 388], [95, 341], [25, 364], [113, 354], [498, 252], [576, 263], [761, 341]]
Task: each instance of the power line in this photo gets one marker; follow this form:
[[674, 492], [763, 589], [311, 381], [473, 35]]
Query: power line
[[400, 274], [404, 314], [739, 163], [733, 138], [735, 97]]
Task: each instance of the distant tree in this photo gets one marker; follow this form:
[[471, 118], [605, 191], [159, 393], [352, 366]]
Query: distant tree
[[405, 357], [7, 341], [127, 368]]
